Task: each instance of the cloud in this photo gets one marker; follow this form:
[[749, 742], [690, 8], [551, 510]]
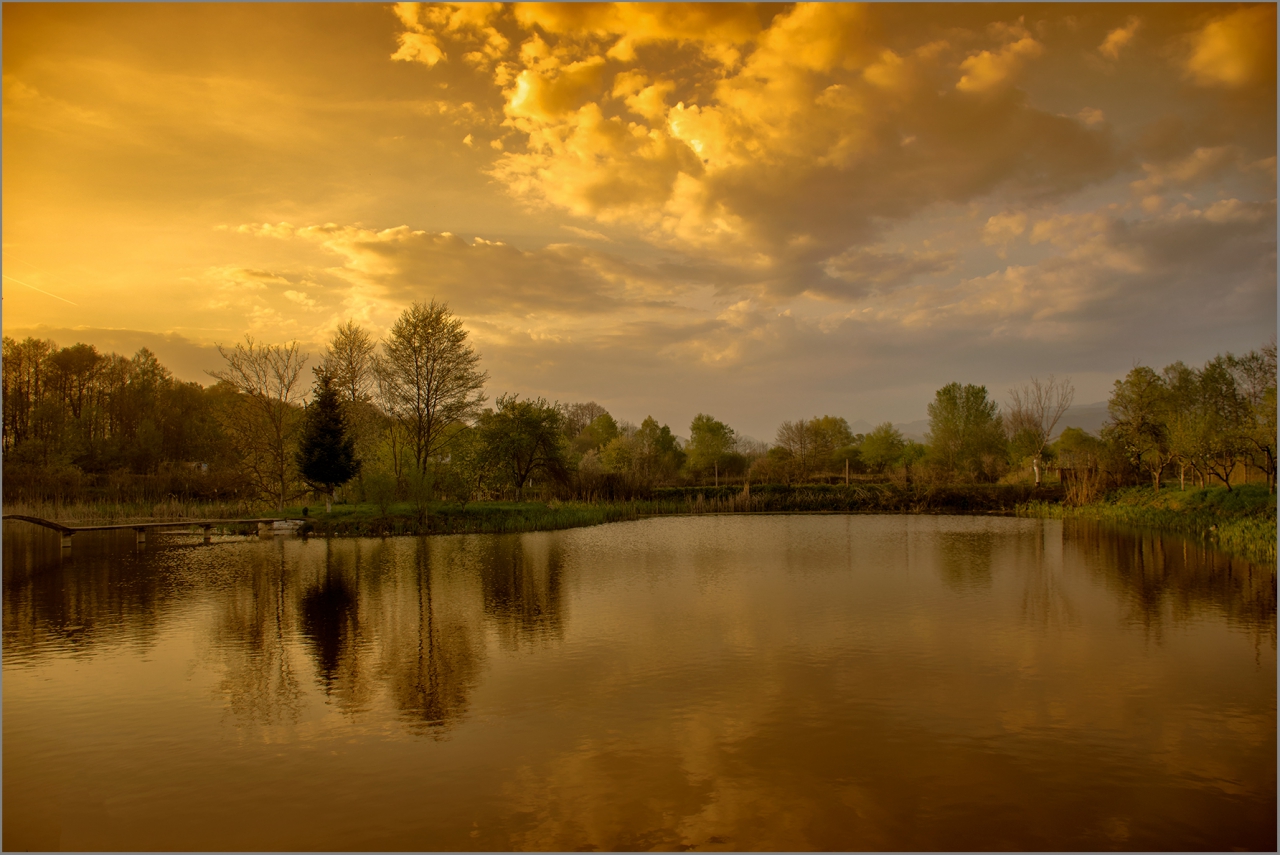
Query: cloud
[[1235, 50], [587, 233], [991, 71], [399, 265], [1118, 38], [1202, 165], [1001, 229], [811, 141], [868, 270]]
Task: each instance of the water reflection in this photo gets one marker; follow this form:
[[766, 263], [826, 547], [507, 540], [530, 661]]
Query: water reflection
[[522, 585], [772, 682], [108, 594], [1162, 578]]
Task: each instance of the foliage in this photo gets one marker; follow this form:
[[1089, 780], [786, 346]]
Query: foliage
[[1242, 520], [710, 444], [883, 447], [326, 454], [966, 437], [522, 439], [596, 435]]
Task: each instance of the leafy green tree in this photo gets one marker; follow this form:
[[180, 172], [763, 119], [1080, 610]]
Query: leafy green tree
[[657, 452], [523, 438], [965, 432], [710, 444], [620, 454], [883, 447], [1139, 406], [1255, 374], [601, 431], [1224, 418], [326, 451]]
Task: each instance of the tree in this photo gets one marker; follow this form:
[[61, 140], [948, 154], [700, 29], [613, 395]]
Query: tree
[[430, 377], [827, 434], [710, 443], [1225, 415], [1255, 374], [523, 438], [1139, 409], [326, 454], [578, 416], [797, 438], [1034, 411], [657, 452], [264, 421], [965, 432], [596, 435], [1184, 418], [349, 361], [883, 447]]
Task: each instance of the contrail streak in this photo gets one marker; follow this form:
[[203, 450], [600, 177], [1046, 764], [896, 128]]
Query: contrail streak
[[41, 290]]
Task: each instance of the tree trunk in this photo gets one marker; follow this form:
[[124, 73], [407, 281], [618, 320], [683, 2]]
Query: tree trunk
[[1035, 466], [328, 500]]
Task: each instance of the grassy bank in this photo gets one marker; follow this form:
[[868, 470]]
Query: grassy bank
[[855, 498], [366, 520], [1241, 521]]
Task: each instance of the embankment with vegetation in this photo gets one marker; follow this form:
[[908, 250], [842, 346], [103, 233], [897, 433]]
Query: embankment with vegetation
[[367, 519], [1241, 520]]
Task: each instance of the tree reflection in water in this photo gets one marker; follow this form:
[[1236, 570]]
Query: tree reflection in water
[[1164, 577], [407, 622], [255, 622]]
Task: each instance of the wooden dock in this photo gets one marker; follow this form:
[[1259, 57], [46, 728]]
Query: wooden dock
[[265, 525]]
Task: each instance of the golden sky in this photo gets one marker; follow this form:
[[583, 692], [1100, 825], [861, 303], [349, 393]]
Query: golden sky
[[761, 212]]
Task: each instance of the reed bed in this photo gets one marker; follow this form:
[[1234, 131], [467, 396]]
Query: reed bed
[[851, 499], [1241, 521], [106, 513], [477, 518]]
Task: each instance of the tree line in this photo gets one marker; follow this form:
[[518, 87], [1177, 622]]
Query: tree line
[[406, 418]]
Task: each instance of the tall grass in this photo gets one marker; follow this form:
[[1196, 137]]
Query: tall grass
[[103, 513], [838, 498], [1241, 521], [367, 520]]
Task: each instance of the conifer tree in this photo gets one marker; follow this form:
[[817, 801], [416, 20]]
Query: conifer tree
[[327, 452]]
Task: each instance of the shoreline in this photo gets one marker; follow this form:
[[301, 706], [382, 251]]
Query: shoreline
[[1242, 521]]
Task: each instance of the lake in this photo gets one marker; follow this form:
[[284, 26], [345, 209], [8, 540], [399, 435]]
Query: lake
[[802, 682]]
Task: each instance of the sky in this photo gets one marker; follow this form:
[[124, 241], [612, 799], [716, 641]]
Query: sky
[[760, 212]]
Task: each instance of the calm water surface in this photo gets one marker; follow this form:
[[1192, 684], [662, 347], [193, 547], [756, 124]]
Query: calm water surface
[[784, 682]]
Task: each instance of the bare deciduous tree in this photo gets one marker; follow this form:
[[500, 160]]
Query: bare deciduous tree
[[1034, 411], [797, 438], [266, 420]]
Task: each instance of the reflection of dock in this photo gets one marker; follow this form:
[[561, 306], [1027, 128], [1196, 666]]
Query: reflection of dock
[[267, 525]]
